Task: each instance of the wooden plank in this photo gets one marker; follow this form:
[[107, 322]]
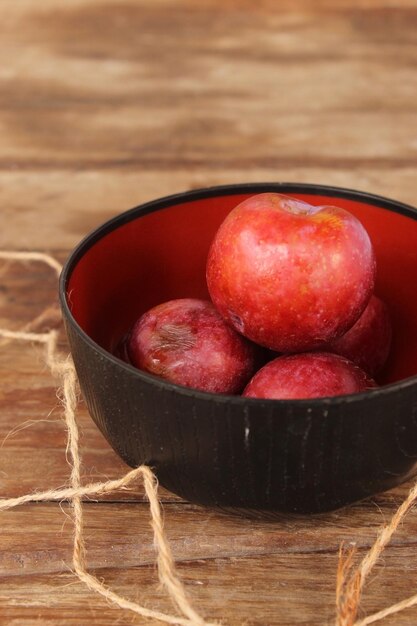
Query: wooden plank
[[66, 205], [279, 86], [274, 590], [37, 538]]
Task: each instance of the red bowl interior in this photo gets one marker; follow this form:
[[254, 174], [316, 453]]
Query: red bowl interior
[[161, 255]]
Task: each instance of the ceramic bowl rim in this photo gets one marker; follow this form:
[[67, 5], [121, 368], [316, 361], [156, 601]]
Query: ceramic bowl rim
[[210, 192]]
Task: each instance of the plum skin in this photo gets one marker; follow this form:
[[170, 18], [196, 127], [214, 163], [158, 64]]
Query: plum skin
[[288, 275], [308, 375], [187, 342], [368, 342]]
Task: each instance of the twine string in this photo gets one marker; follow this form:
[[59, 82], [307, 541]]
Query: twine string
[[10, 255], [165, 561], [349, 580], [64, 370], [350, 583], [66, 493]]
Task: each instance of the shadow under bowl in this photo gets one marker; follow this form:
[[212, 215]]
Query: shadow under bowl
[[298, 456]]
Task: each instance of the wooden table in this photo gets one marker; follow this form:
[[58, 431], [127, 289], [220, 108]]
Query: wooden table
[[104, 105]]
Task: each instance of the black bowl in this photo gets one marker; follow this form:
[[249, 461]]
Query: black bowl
[[281, 455]]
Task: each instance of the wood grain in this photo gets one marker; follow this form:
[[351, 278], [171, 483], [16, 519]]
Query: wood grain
[[107, 104]]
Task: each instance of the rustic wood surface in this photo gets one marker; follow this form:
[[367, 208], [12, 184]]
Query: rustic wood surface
[[105, 104]]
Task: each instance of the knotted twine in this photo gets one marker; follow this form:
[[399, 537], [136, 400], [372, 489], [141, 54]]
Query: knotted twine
[[350, 580]]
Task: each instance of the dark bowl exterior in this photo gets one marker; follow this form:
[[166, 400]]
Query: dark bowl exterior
[[288, 456]]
